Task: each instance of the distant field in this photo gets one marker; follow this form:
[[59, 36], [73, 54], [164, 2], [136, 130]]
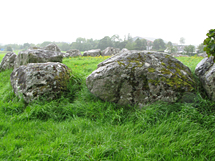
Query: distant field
[[79, 126]]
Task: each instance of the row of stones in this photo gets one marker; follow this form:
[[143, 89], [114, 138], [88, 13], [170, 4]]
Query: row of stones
[[129, 77]]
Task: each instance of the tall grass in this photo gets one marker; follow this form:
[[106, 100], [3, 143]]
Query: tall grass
[[79, 126]]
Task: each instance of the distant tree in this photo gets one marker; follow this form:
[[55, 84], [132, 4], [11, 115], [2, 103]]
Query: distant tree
[[186, 49], [74, 45], [140, 44], [174, 49], [26, 45], [63, 46], [137, 44], [159, 45], [130, 39], [122, 44], [116, 41], [129, 45], [182, 40], [200, 48], [171, 48], [189, 49], [192, 48], [9, 48], [105, 42], [169, 44], [45, 43]]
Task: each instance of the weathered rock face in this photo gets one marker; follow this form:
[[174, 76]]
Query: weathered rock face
[[205, 70], [40, 79], [124, 50], [139, 78], [73, 53], [203, 55], [52, 47], [37, 56], [110, 51], [94, 52], [8, 61]]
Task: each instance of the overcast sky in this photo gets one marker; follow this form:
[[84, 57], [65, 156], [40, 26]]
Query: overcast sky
[[36, 21]]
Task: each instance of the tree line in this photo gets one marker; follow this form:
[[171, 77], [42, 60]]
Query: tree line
[[115, 41]]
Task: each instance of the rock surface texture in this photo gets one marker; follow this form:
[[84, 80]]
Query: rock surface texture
[[8, 61], [94, 52], [124, 50], [139, 78], [52, 47], [110, 51], [51, 53], [203, 55], [205, 70], [73, 53], [40, 79]]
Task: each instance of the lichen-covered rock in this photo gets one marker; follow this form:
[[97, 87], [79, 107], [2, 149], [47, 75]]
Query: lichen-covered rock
[[8, 61], [38, 56], [140, 78], [94, 52], [110, 51], [73, 53], [40, 79], [205, 70], [52, 47]]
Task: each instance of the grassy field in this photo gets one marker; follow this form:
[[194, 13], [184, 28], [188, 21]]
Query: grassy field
[[79, 126]]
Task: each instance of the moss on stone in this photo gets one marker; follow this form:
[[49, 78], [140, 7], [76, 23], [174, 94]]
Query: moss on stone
[[121, 63], [151, 70], [165, 71], [167, 56], [154, 81], [163, 64]]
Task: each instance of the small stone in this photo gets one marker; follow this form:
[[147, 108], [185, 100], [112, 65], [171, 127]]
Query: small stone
[[8, 61], [93, 53]]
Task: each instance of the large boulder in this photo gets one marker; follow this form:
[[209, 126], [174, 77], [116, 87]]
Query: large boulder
[[140, 78], [109, 51], [8, 61], [205, 70], [48, 54], [73, 53], [94, 52], [40, 79]]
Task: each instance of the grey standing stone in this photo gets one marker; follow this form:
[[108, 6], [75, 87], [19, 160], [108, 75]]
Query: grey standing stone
[[109, 51], [51, 53], [8, 61], [140, 78], [73, 53], [205, 70], [52, 47], [40, 79], [93, 53]]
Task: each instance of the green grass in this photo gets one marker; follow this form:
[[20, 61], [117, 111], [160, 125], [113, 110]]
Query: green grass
[[79, 126]]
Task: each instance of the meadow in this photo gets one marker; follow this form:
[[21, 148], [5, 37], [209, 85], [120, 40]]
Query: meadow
[[79, 126]]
